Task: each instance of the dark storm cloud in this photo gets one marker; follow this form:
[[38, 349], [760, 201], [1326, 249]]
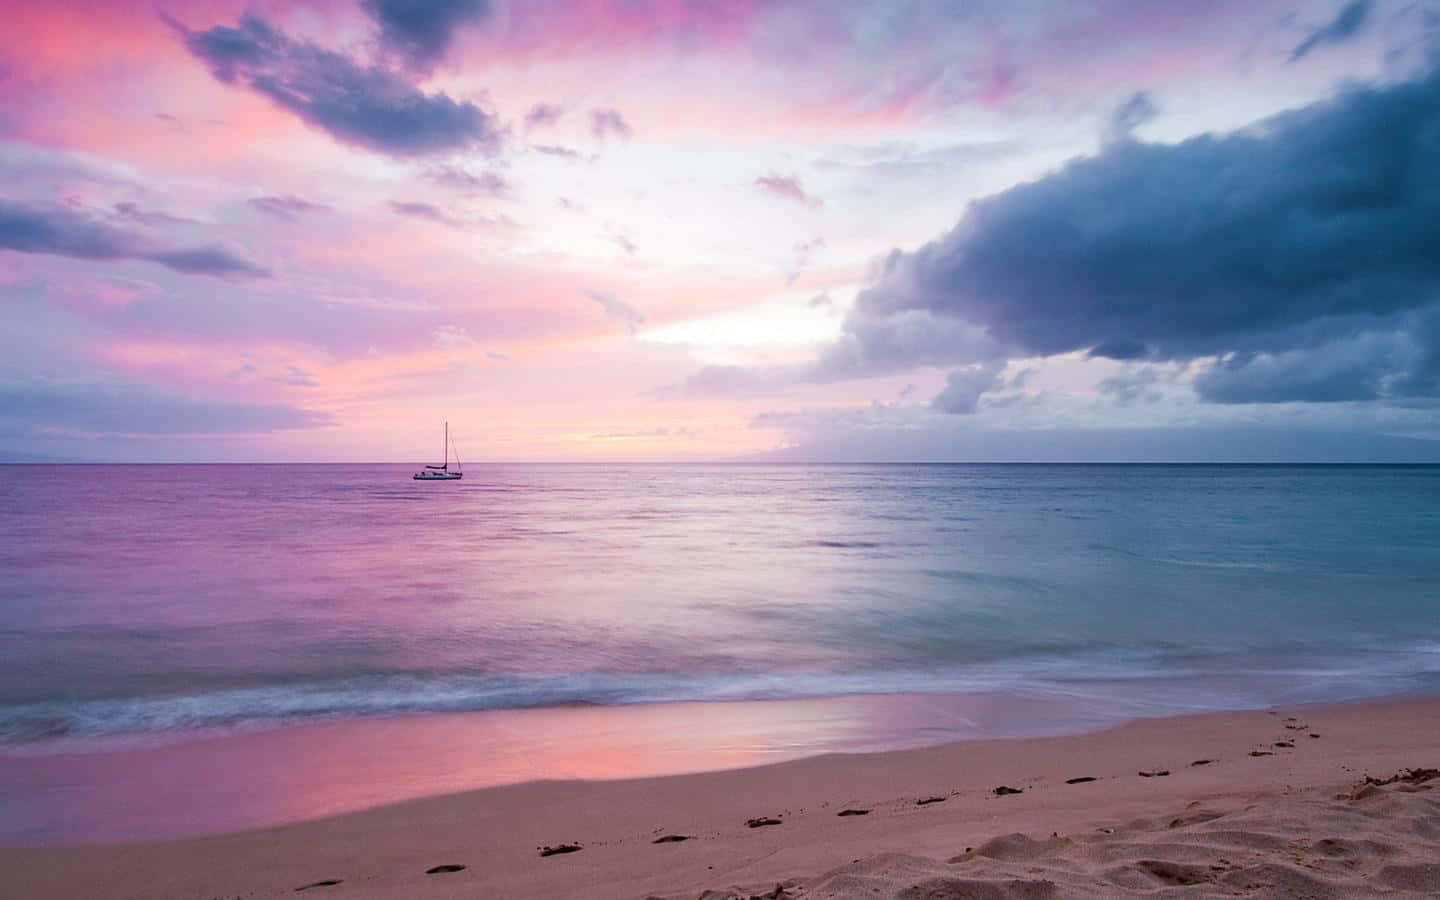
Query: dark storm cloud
[[127, 408], [607, 122], [958, 439], [1130, 115], [1297, 377], [881, 345], [1421, 377], [964, 386], [369, 107], [1342, 28], [421, 32], [1398, 363], [1131, 387], [1314, 228], [288, 208], [65, 233]]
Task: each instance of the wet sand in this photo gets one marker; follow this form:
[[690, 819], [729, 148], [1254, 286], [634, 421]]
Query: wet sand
[[196, 785], [1245, 803]]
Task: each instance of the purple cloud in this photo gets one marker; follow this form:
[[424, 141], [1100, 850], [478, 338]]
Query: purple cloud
[[369, 107], [1342, 28], [207, 261], [288, 208], [425, 211], [488, 183], [1301, 253], [542, 114], [554, 150], [964, 386], [1130, 115], [134, 213], [65, 233], [421, 32], [109, 407], [607, 122], [787, 187]]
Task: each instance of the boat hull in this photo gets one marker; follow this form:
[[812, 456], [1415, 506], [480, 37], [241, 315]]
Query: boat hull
[[440, 476]]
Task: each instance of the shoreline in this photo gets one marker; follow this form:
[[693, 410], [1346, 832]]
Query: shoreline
[[495, 832], [296, 773]]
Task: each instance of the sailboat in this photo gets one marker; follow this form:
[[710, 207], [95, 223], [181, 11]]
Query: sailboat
[[442, 472]]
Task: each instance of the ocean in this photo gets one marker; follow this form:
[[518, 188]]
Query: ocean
[[144, 605]]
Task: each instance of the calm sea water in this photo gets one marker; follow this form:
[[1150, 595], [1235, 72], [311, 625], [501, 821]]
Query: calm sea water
[[145, 601]]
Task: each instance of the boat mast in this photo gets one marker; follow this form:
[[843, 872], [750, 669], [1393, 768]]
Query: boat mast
[[446, 466]]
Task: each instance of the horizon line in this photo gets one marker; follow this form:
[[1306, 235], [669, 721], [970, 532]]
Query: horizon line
[[730, 462]]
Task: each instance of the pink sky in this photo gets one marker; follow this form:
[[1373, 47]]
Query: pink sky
[[316, 230]]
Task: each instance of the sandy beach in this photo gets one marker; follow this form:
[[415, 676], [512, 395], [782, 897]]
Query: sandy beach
[[1262, 803]]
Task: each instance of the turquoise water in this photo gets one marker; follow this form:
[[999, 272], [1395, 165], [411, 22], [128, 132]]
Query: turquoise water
[[164, 601]]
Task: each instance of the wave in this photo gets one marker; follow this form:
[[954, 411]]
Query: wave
[[1124, 682]]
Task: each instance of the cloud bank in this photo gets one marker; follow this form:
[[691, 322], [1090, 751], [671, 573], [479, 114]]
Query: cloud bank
[[64, 233], [125, 408], [1302, 253]]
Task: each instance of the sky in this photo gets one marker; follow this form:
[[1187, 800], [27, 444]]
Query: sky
[[681, 230]]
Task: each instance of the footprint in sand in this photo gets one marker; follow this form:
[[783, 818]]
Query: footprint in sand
[[329, 882], [928, 800], [853, 812], [1155, 773], [1002, 790], [1261, 753], [1202, 762], [762, 822], [441, 870], [671, 839], [1083, 779], [1284, 744], [559, 848]]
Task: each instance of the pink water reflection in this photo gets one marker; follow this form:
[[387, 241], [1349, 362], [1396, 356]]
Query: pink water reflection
[[291, 774]]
